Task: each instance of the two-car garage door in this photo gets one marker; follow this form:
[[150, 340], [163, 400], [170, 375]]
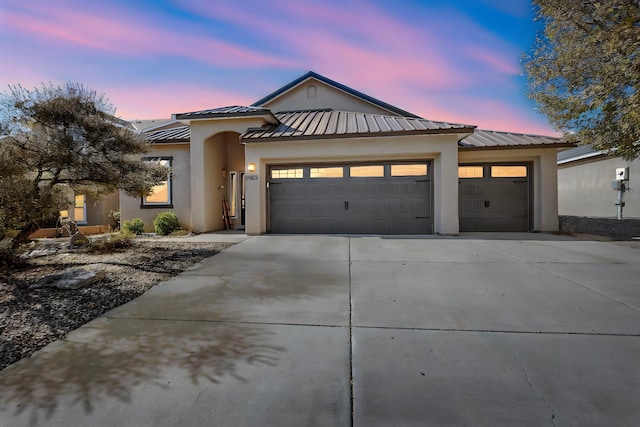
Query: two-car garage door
[[379, 198], [394, 198]]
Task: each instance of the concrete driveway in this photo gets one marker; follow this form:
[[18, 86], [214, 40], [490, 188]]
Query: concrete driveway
[[480, 330]]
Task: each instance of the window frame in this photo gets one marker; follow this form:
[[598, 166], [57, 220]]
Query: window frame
[[160, 205]]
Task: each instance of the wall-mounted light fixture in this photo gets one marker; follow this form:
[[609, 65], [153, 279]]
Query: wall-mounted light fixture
[[251, 167], [224, 173]]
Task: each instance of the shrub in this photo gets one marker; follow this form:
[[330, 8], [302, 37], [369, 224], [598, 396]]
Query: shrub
[[113, 242], [115, 216], [165, 223], [135, 226]]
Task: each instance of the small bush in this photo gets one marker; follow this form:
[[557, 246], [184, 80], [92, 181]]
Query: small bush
[[135, 226], [165, 223], [113, 242], [115, 216]]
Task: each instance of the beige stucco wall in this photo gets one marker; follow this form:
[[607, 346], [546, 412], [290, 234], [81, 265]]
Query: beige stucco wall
[[584, 188], [98, 210], [545, 187], [301, 98], [442, 149], [215, 145], [181, 191]]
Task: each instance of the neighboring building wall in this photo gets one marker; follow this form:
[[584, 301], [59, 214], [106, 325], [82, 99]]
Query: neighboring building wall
[[545, 184], [130, 207], [442, 149], [314, 94], [584, 188]]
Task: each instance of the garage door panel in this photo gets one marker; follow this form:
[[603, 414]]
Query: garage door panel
[[490, 203]]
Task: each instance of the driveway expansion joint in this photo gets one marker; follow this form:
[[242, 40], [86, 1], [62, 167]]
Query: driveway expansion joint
[[497, 331]]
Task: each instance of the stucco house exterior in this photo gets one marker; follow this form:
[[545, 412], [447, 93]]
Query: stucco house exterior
[[316, 156]]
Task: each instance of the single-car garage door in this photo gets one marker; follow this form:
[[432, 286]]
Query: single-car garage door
[[494, 197], [381, 198]]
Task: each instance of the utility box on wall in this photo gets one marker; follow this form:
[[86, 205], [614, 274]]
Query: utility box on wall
[[622, 174]]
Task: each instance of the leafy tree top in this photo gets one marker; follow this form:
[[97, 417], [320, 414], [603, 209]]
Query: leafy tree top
[[584, 71]]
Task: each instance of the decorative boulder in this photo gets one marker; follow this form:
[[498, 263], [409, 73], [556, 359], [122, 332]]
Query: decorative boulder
[[72, 279]]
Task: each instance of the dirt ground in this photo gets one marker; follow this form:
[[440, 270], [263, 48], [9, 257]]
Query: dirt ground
[[32, 317]]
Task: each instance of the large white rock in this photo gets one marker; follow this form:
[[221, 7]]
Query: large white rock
[[72, 279]]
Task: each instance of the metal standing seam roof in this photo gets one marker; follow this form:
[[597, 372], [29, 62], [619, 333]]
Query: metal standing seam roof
[[176, 134], [226, 112], [336, 85], [579, 153], [489, 139], [317, 124]]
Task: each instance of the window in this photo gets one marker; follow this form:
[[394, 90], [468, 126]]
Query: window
[[470, 171], [160, 195], [409, 170], [233, 193], [80, 209], [335, 172], [508, 171], [367, 171], [286, 173]]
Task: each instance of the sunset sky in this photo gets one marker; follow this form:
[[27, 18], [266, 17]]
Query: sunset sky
[[448, 60]]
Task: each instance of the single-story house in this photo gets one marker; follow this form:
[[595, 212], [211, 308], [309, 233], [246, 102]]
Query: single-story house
[[316, 156]]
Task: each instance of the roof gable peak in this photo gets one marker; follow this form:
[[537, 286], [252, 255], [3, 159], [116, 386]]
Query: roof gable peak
[[338, 86]]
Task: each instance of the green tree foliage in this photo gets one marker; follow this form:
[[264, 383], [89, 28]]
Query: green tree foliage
[[584, 71], [57, 140]]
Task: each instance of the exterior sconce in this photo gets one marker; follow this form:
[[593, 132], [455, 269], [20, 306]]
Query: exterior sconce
[[224, 173], [251, 167]]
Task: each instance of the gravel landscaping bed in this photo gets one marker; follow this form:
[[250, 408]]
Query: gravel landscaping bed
[[32, 317]]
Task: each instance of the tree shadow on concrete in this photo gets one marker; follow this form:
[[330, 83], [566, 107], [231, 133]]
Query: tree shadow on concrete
[[111, 356]]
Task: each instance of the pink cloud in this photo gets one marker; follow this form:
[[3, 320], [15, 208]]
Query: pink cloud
[[119, 34], [152, 102], [495, 61]]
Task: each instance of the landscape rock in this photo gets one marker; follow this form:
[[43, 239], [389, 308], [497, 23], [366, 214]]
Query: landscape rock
[[36, 253], [72, 279]]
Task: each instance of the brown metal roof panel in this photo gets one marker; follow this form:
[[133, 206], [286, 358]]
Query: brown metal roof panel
[[324, 116], [418, 124], [352, 125], [393, 123], [306, 123], [313, 124], [404, 123], [332, 125], [293, 124], [371, 123], [361, 124], [382, 123], [341, 126]]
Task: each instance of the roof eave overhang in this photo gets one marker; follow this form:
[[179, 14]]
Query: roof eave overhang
[[268, 117], [170, 141], [458, 131], [514, 147]]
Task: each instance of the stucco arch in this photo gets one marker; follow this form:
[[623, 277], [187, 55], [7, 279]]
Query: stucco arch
[[215, 147]]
